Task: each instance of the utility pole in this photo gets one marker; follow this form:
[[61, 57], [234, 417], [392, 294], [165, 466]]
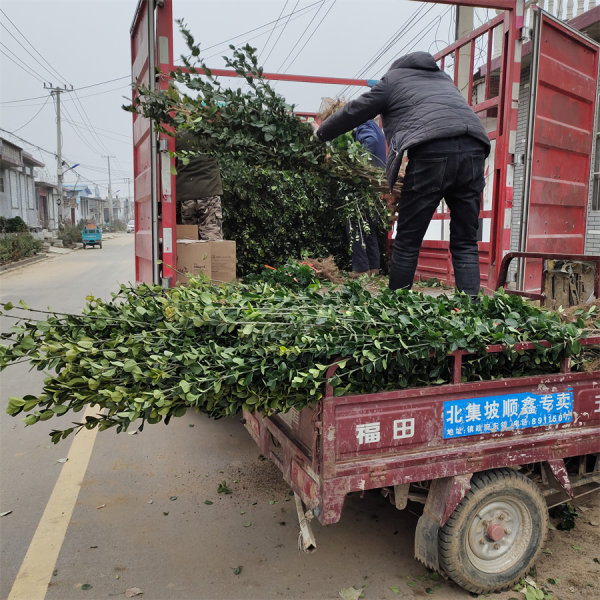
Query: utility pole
[[128, 196], [57, 91], [464, 26], [110, 206]]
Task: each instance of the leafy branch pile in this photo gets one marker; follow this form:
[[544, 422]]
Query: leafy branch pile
[[148, 355], [285, 194]]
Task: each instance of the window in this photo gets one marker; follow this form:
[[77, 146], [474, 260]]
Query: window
[[1, 185]]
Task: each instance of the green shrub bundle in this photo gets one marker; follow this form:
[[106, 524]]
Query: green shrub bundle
[[15, 246], [13, 225], [285, 194], [148, 354]]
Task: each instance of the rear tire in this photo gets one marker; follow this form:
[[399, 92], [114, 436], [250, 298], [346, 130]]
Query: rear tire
[[100, 244], [504, 505]]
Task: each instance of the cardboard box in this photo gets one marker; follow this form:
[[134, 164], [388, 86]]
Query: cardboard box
[[187, 232], [214, 259], [222, 257]]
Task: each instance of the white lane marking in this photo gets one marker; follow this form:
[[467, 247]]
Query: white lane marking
[[36, 570]]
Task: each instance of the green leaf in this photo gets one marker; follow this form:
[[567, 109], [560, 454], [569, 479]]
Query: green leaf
[[129, 365], [223, 489]]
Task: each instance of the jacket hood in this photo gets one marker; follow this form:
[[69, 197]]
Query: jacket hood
[[415, 60]]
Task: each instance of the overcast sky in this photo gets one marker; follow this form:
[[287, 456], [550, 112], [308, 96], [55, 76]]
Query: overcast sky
[[86, 44]]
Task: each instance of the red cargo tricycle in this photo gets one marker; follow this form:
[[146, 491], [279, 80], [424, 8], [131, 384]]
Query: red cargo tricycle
[[486, 459]]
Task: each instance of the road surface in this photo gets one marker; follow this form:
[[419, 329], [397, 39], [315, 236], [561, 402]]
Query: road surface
[[143, 511]]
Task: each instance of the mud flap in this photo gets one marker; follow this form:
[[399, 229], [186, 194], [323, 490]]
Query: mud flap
[[426, 542], [444, 496]]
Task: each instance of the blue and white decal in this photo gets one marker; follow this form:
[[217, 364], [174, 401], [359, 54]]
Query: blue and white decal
[[493, 414]]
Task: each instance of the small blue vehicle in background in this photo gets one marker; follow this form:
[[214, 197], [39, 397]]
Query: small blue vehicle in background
[[91, 235]]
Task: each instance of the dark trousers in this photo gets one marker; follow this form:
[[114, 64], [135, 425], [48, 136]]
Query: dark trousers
[[365, 247], [449, 168]]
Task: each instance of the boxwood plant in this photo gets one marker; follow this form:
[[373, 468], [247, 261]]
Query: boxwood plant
[[285, 194], [147, 355]]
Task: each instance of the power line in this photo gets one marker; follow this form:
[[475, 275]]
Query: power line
[[299, 15], [302, 35], [77, 104], [383, 49], [283, 29], [18, 42], [294, 11], [127, 138], [84, 87], [273, 29], [24, 66], [409, 45], [51, 153], [56, 73], [34, 116], [121, 87], [52, 71], [311, 35], [29, 143], [89, 143]]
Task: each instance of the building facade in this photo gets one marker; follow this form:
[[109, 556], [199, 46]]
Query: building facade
[[18, 197]]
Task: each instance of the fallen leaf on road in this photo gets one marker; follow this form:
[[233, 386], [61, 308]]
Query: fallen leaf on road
[[132, 432], [223, 489], [247, 524], [6, 512], [62, 460], [101, 506], [173, 498], [132, 592], [237, 570], [350, 593], [86, 586]]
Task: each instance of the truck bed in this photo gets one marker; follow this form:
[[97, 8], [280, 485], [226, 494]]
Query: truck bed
[[367, 441]]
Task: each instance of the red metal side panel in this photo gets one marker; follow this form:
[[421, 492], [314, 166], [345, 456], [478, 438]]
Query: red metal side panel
[[562, 143], [166, 196], [141, 150]]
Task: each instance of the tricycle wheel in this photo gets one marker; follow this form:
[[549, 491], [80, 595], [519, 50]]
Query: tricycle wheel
[[84, 246], [494, 535], [100, 244]]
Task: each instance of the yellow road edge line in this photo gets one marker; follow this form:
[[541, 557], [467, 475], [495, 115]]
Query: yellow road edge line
[[35, 573]]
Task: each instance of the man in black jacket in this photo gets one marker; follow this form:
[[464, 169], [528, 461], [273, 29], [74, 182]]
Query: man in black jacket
[[424, 114]]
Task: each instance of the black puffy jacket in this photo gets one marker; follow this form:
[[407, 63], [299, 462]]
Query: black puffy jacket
[[417, 102]]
